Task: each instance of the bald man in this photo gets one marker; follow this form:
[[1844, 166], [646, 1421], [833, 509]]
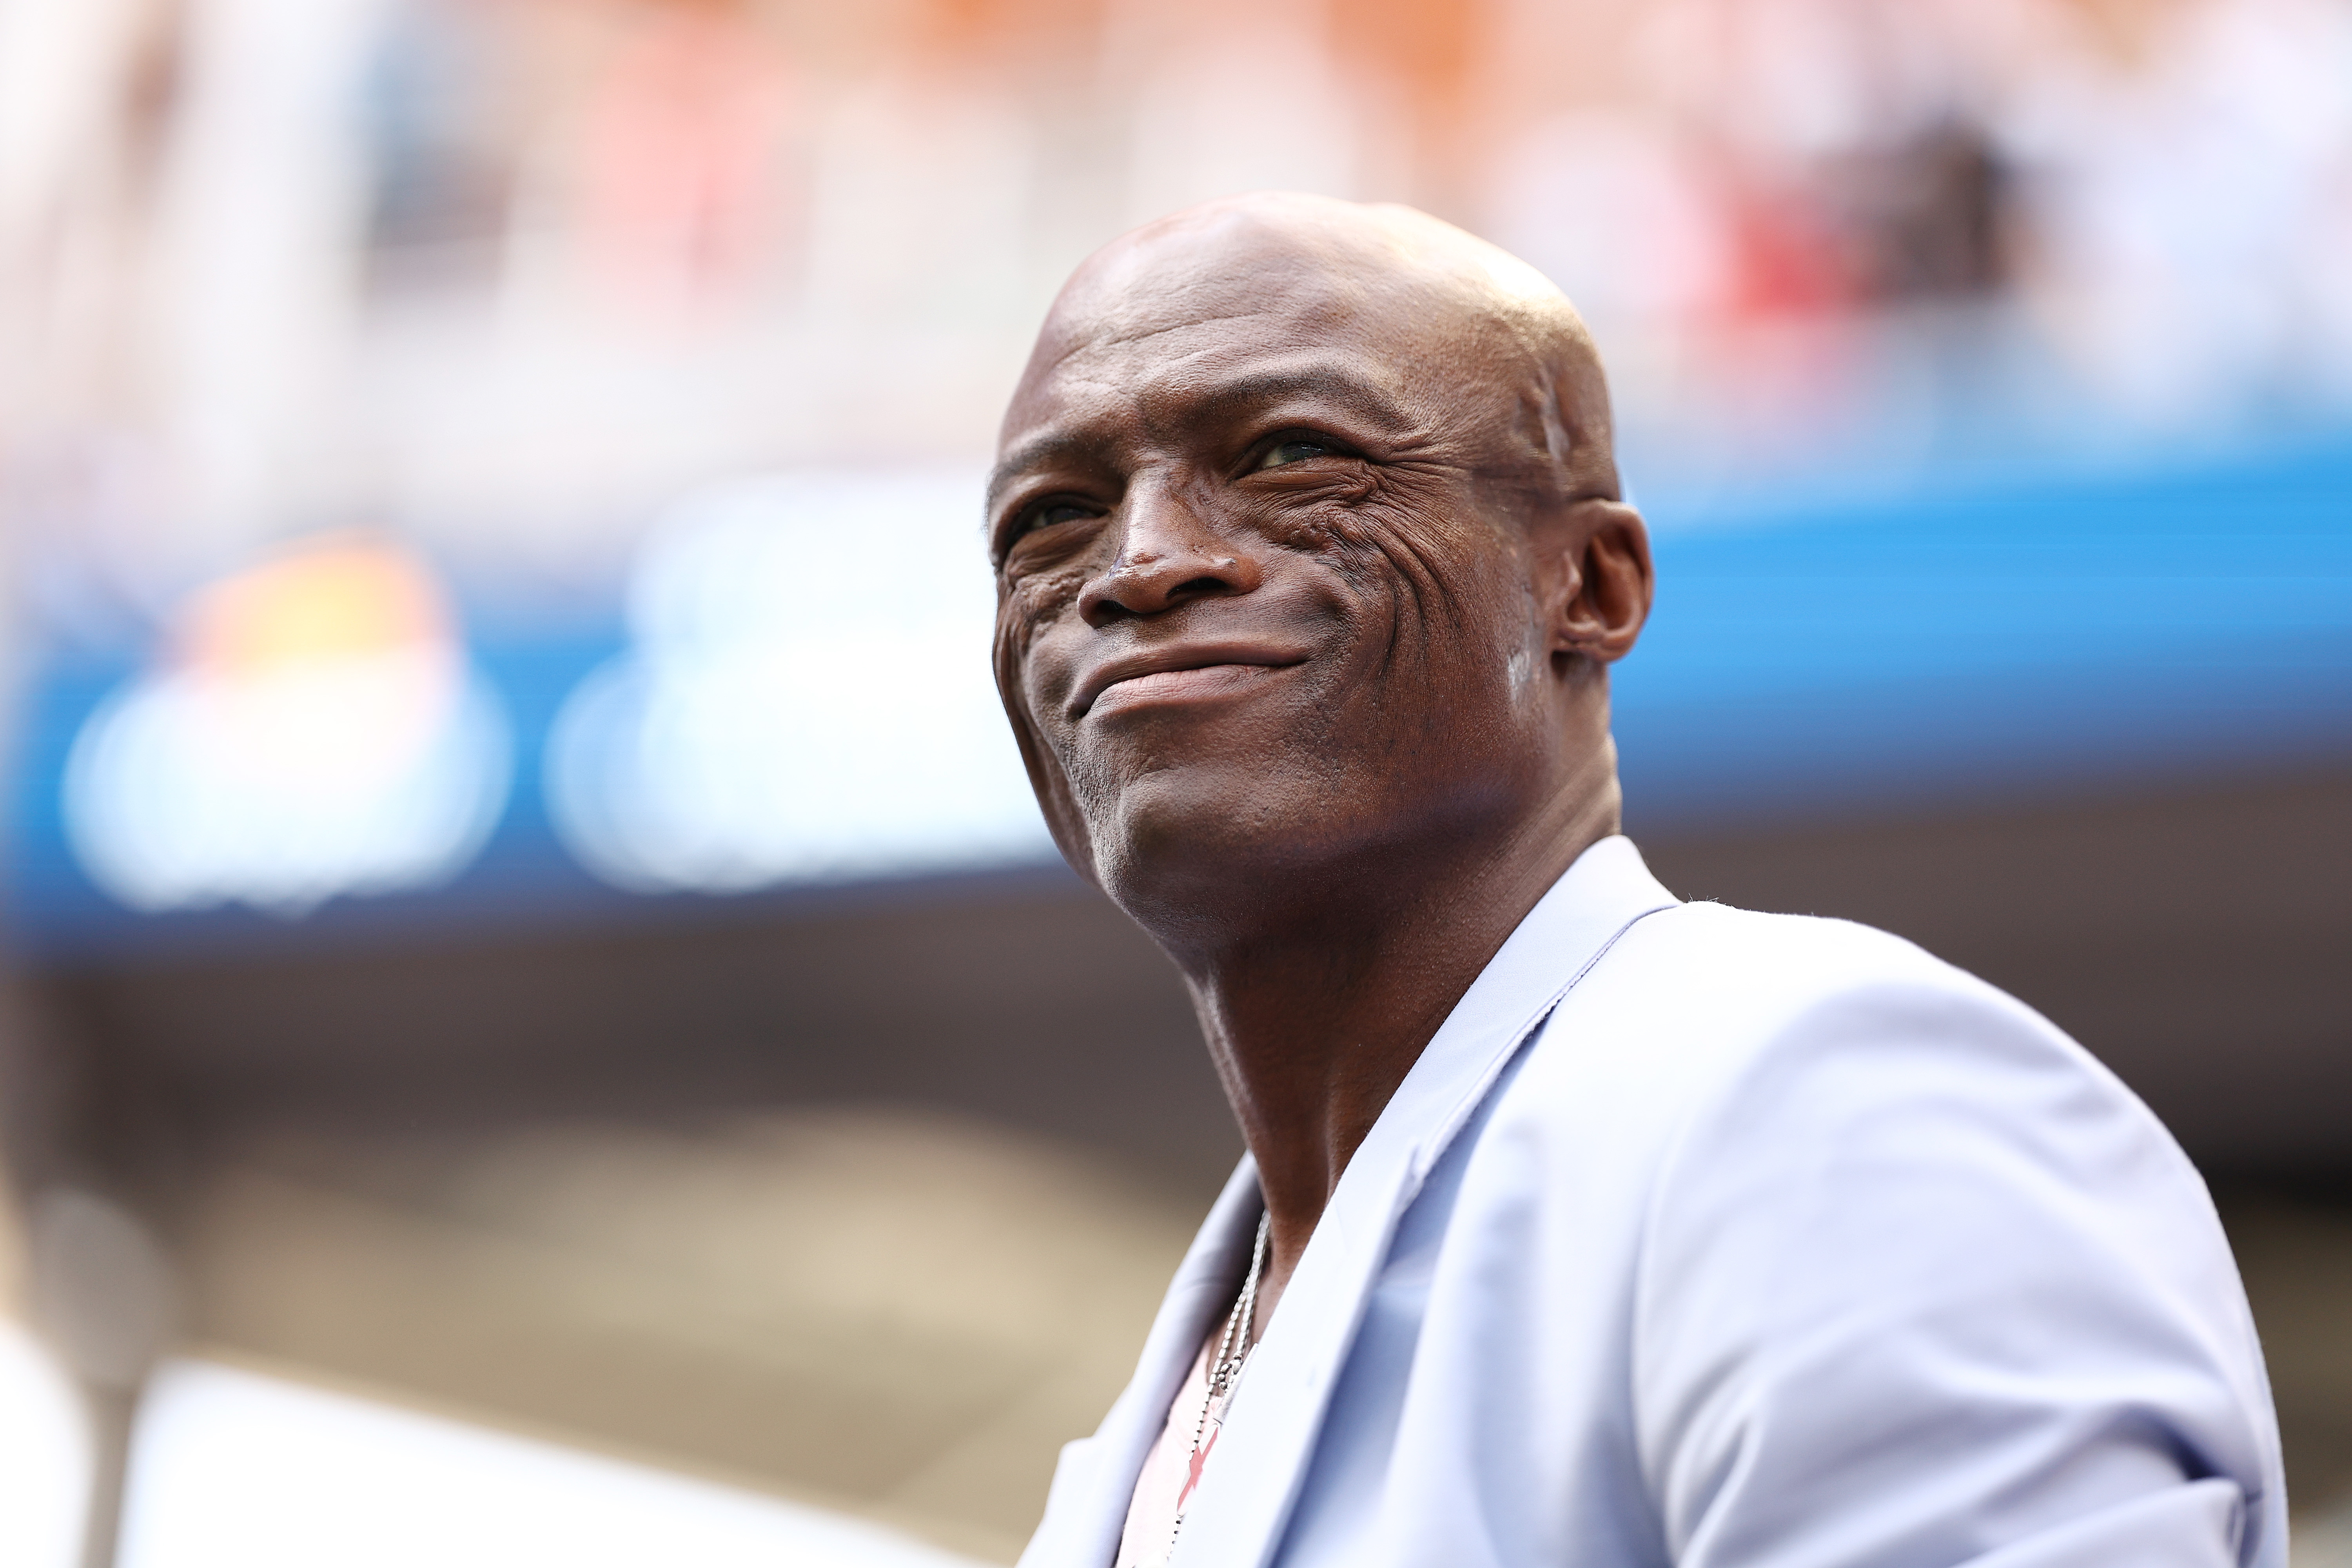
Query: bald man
[[1579, 1226]]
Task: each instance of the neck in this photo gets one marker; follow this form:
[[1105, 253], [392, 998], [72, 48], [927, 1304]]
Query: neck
[[1312, 1019]]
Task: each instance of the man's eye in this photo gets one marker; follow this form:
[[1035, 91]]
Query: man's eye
[[1297, 450], [1053, 514]]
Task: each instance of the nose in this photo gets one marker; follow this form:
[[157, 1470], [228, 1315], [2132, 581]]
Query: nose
[[1168, 556]]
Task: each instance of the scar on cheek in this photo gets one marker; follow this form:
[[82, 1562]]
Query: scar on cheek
[[1047, 592]]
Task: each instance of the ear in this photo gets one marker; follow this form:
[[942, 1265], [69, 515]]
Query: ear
[[1595, 581]]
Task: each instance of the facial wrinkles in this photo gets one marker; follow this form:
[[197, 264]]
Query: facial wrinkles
[[1412, 566], [1433, 527]]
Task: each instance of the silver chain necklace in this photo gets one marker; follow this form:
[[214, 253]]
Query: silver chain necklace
[[1232, 1351]]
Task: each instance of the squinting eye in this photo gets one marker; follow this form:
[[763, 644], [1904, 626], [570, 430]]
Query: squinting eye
[[1297, 451], [1050, 515]]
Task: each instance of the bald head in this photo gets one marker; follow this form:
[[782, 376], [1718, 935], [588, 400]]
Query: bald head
[[1426, 295], [1308, 545]]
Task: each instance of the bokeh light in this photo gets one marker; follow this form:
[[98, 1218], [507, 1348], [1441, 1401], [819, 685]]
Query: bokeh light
[[806, 697], [312, 730]]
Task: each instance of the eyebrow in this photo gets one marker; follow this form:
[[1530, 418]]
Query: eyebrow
[[1036, 452], [1339, 383]]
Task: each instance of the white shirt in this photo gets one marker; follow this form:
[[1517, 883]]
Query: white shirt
[[1724, 1240]]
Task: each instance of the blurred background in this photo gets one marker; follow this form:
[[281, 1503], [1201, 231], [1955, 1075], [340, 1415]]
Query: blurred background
[[505, 1056]]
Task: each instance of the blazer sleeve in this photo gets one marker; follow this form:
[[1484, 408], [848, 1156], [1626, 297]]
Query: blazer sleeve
[[1923, 1285]]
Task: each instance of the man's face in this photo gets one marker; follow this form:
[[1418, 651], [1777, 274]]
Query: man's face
[[1263, 600]]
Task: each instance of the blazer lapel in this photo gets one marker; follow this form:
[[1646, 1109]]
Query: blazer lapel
[[1237, 1516]]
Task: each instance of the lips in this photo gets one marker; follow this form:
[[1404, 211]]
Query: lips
[[1198, 670]]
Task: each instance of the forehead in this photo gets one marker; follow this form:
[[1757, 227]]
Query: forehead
[[1201, 322]]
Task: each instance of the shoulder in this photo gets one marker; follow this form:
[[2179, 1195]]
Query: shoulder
[[1708, 995], [1789, 1038], [1887, 1198], [1869, 1228], [1764, 963], [1853, 1131], [1700, 1001], [1774, 1075]]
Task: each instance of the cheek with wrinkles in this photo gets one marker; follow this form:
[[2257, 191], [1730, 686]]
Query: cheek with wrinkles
[[1031, 679], [1011, 682], [1015, 637], [1009, 653], [1015, 657], [1416, 553], [1030, 606]]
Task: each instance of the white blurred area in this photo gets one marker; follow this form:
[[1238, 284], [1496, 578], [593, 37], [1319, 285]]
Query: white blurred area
[[234, 1468], [787, 711], [45, 1455]]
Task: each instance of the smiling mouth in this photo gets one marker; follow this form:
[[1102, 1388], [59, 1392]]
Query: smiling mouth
[[1193, 683]]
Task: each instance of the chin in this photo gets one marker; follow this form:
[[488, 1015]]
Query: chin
[[1187, 842]]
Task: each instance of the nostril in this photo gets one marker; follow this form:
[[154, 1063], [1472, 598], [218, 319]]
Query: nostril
[[1131, 591]]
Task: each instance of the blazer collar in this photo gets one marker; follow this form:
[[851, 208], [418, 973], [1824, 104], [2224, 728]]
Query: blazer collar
[[1243, 1502]]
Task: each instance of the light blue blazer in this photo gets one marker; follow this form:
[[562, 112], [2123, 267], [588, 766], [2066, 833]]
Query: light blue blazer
[[1725, 1240]]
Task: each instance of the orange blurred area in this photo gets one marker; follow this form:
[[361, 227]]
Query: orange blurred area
[[334, 598]]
